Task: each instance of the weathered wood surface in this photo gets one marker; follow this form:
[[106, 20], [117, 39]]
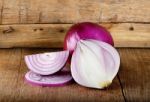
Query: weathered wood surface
[[13, 88], [71, 11], [135, 74], [9, 70], [52, 35], [131, 84]]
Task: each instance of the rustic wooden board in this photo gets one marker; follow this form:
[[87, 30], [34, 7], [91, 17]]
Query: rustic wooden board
[[125, 11], [71, 11], [52, 35], [10, 11], [133, 80], [14, 88], [1, 10], [135, 74], [9, 71]]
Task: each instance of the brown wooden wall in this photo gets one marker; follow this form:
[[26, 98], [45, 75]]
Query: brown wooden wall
[[43, 23]]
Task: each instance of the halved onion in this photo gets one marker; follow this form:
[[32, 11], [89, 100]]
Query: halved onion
[[58, 79], [94, 63], [47, 63]]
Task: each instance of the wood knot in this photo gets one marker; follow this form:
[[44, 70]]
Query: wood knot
[[131, 28], [34, 29], [9, 30], [61, 30], [40, 29]]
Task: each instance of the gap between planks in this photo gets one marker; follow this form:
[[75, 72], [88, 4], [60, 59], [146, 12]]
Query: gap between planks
[[134, 74], [121, 88], [77, 22]]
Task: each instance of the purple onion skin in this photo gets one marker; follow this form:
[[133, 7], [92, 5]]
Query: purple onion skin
[[49, 85], [86, 30]]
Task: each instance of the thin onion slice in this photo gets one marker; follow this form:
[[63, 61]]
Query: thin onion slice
[[59, 79], [47, 63]]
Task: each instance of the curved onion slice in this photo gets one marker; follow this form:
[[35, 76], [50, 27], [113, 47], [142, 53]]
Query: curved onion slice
[[57, 79], [94, 63], [47, 63]]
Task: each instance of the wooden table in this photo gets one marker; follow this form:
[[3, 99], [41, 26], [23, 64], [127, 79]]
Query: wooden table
[[131, 84]]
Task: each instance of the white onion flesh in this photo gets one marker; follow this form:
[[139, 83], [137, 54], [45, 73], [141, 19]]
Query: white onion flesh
[[94, 63]]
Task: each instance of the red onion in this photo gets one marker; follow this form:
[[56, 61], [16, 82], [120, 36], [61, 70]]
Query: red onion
[[86, 30], [47, 63], [94, 63], [58, 79]]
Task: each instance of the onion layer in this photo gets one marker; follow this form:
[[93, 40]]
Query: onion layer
[[47, 63], [58, 79], [94, 63]]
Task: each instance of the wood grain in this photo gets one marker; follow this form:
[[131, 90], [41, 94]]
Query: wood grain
[[52, 35], [10, 12], [32, 35], [14, 88], [1, 10], [133, 77], [135, 74], [9, 71], [125, 11], [72, 11]]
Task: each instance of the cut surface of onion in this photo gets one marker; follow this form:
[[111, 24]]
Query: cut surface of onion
[[46, 63], [58, 79], [94, 63], [109, 53]]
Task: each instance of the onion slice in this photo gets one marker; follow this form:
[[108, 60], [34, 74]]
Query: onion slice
[[47, 63], [59, 79]]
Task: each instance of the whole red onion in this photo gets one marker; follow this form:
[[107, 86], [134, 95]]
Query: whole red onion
[[86, 30]]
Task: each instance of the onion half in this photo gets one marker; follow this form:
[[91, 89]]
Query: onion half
[[47, 63], [94, 63]]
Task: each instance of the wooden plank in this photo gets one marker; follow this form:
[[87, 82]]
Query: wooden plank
[[10, 12], [34, 35], [125, 11], [30, 11], [9, 69], [59, 11], [1, 10], [52, 35], [69, 93], [130, 34], [72, 11], [135, 74]]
